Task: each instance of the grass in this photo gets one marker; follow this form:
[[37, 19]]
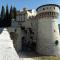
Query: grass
[[47, 58], [31, 56]]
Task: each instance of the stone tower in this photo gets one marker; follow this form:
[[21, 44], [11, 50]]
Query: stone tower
[[48, 42]]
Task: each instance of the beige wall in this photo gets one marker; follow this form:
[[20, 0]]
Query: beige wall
[[47, 36], [48, 32]]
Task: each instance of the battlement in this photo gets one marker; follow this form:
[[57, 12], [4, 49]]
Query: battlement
[[48, 10]]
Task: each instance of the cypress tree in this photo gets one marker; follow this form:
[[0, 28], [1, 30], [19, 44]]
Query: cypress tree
[[7, 13], [14, 13], [7, 17], [11, 13], [2, 13]]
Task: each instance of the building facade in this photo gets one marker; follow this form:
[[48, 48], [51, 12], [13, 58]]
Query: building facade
[[38, 26], [48, 31]]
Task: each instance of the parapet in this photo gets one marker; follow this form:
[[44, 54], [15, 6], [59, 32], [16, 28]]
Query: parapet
[[48, 10]]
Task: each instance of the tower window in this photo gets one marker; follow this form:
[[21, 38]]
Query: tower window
[[54, 7], [43, 8], [56, 42], [15, 30], [54, 30], [47, 7], [22, 27], [50, 7], [23, 38]]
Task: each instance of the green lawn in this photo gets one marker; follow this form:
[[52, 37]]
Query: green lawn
[[46, 58]]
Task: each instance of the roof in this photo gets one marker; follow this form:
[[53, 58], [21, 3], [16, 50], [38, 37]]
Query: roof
[[30, 10], [48, 5]]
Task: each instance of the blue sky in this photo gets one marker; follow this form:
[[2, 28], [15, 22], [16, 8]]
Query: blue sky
[[30, 4]]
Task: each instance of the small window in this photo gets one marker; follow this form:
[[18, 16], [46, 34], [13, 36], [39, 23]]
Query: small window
[[54, 7], [43, 8], [23, 38], [31, 37], [54, 30], [52, 13], [15, 30], [47, 7], [22, 28], [50, 7], [56, 42], [25, 31], [49, 13]]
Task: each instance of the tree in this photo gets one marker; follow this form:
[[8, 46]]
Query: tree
[[2, 13], [7, 21], [11, 12], [7, 13], [14, 13]]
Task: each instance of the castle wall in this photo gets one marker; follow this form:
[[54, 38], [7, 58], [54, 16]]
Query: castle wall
[[15, 35], [44, 26], [34, 27], [48, 42]]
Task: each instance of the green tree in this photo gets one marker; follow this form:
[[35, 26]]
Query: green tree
[[7, 21], [14, 13], [11, 12], [7, 13], [2, 13]]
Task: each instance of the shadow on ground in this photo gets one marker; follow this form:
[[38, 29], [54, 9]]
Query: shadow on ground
[[28, 54]]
